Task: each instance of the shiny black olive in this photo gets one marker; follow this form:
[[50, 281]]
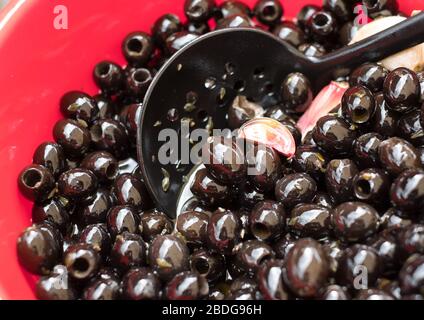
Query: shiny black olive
[[38, 249], [51, 156], [129, 190], [386, 246], [208, 191], [407, 192], [208, 264], [224, 160], [98, 237], [251, 254], [138, 48], [310, 220], [111, 136], [354, 221], [306, 268], [296, 92], [411, 241], [376, 7], [295, 188], [102, 164], [334, 135], [103, 287], [232, 7], [179, 40], [397, 155], [270, 280], [385, 119], [168, 256], [310, 160], [55, 286], [358, 104], [193, 226], [141, 284], [339, 179], [402, 89], [137, 82], [412, 275], [187, 286], [370, 75], [165, 26], [410, 128], [72, 136], [372, 186], [155, 223], [359, 267], [265, 167], [267, 220], [224, 231], [128, 251], [235, 21], [199, 10], [289, 32], [79, 106], [342, 9], [77, 184], [323, 27], [121, 219], [109, 77], [94, 209], [366, 149], [305, 14], [51, 211], [82, 261], [268, 12]]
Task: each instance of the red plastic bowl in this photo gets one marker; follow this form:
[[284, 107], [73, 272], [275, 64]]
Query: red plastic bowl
[[38, 63]]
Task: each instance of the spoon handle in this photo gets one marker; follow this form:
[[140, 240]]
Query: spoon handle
[[401, 36]]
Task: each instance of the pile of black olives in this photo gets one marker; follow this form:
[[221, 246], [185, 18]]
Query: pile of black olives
[[351, 198]]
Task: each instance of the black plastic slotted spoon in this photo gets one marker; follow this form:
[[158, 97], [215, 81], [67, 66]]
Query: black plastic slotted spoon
[[201, 80]]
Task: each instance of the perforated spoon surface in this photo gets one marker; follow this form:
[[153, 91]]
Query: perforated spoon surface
[[201, 80]]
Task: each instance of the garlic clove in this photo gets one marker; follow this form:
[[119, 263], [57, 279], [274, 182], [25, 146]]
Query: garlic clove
[[328, 99], [271, 133]]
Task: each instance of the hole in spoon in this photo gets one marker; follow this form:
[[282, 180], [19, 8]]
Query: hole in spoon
[[230, 68], [268, 88], [239, 85], [202, 115], [259, 72]]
